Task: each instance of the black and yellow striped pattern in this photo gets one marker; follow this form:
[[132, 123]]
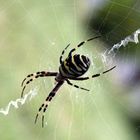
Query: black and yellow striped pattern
[[71, 68], [74, 66]]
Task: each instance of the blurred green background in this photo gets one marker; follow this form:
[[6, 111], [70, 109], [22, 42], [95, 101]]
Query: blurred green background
[[32, 37]]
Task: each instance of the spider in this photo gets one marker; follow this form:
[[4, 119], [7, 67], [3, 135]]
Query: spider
[[72, 68]]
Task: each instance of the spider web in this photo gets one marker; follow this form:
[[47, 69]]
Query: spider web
[[74, 114]]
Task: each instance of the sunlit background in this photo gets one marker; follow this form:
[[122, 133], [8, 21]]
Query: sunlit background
[[32, 37]]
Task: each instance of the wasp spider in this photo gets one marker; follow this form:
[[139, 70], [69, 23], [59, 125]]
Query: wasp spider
[[72, 68]]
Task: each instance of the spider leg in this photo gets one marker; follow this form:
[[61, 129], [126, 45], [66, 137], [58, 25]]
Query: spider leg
[[81, 44], [28, 76], [76, 85], [61, 57], [34, 76], [37, 74], [93, 76], [44, 106]]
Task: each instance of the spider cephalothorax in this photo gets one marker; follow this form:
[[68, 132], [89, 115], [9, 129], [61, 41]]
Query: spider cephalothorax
[[72, 68]]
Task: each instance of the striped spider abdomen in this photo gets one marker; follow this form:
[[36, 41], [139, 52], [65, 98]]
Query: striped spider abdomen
[[74, 66]]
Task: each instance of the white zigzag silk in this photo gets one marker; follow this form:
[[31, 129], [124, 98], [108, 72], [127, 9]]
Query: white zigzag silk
[[131, 38], [19, 101], [109, 54]]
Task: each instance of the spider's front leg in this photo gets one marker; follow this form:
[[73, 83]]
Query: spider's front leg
[[74, 49], [81, 44], [63, 52], [33, 76], [44, 106]]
